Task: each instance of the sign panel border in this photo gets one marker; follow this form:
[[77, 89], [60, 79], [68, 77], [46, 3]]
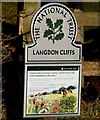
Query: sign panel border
[[50, 115]]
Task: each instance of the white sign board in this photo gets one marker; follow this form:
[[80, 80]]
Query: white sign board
[[52, 90], [53, 31]]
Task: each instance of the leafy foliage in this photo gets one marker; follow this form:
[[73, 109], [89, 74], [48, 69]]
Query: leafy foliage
[[59, 36], [55, 30], [52, 103], [62, 89], [58, 23], [71, 87], [49, 23], [69, 103], [48, 32]]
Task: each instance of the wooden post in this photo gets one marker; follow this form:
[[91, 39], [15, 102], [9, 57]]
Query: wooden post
[[80, 38], [87, 18], [28, 10]]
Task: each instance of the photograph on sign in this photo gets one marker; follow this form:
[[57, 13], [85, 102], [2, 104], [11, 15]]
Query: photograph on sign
[[52, 90]]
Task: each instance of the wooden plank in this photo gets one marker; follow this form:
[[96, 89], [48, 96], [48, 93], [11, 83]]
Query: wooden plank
[[29, 9], [91, 68], [80, 34], [20, 23], [87, 18], [25, 17]]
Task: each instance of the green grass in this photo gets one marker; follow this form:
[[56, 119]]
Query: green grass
[[56, 103], [52, 96]]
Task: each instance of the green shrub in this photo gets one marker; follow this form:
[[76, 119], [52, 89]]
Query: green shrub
[[69, 103]]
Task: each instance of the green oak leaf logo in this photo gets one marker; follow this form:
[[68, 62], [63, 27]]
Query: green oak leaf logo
[[54, 31]]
